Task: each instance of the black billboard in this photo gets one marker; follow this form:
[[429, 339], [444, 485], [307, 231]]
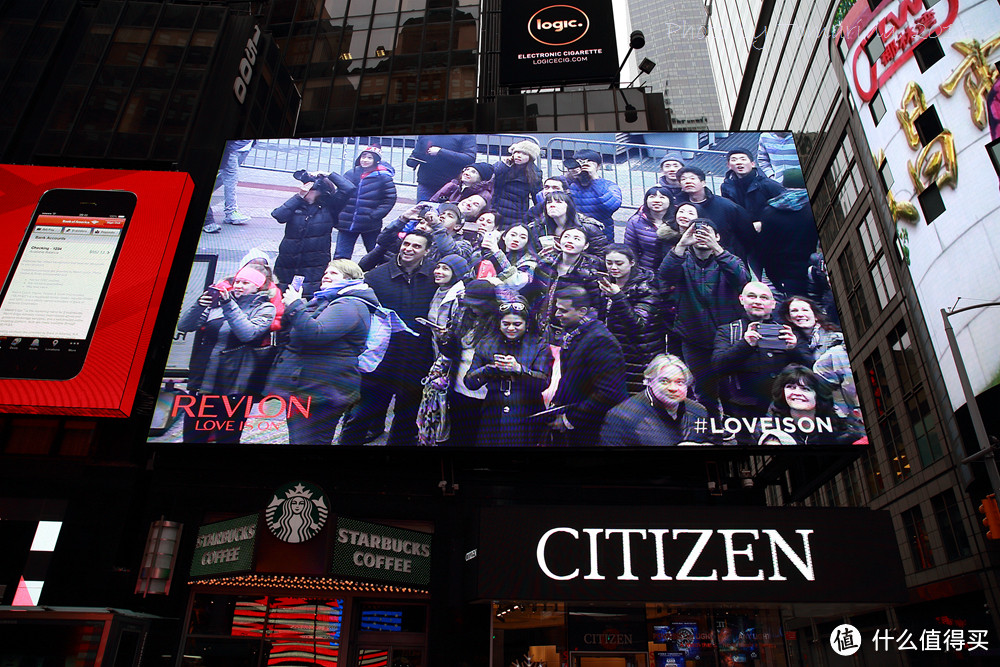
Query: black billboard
[[697, 554], [571, 42]]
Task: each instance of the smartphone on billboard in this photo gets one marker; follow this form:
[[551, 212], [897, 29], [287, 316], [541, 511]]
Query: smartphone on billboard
[[53, 293]]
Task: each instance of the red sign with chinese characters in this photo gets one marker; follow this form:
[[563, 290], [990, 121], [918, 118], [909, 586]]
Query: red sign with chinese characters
[[901, 36]]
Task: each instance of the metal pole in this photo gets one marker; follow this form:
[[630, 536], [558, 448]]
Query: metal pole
[[970, 398]]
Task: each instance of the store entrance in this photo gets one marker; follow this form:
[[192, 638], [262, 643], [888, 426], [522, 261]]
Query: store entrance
[[390, 656], [581, 659]]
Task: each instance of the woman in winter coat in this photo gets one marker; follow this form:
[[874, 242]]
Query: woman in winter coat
[[449, 276], [318, 367], [572, 265], [514, 255], [474, 180], [560, 214], [516, 181], [813, 332], [803, 405], [632, 304], [373, 198], [641, 229], [475, 320], [515, 365], [309, 218], [229, 319]]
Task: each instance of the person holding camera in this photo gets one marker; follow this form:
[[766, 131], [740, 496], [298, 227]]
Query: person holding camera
[[229, 319], [750, 352], [705, 281], [309, 217]]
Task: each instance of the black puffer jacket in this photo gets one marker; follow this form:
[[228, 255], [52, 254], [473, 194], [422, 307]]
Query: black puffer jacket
[[547, 282], [305, 249], [373, 199], [512, 194], [592, 228], [632, 318]]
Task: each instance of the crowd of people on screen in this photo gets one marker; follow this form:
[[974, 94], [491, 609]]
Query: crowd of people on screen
[[519, 321]]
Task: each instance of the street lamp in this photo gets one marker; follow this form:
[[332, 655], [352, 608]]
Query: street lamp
[[985, 449]]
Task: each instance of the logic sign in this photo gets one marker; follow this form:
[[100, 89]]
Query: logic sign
[[551, 43]]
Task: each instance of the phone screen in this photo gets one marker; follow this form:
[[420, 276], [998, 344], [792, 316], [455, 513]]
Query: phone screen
[[52, 297]]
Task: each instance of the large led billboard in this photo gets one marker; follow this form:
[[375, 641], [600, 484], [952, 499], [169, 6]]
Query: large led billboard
[[509, 291], [85, 260]]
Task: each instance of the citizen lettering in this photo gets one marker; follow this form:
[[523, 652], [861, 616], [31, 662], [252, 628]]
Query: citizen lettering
[[750, 554], [249, 59]]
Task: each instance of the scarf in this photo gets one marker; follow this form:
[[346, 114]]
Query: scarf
[[792, 200], [338, 287]]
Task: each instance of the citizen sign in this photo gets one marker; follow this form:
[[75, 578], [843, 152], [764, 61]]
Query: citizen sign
[[558, 25], [751, 554]]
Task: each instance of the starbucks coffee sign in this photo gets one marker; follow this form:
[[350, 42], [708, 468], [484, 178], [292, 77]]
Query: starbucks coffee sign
[[225, 547], [382, 553], [297, 512]]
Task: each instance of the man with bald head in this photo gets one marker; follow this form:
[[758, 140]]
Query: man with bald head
[[750, 352]]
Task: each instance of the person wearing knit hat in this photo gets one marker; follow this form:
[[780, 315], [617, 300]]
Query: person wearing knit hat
[[373, 199], [516, 181], [595, 197], [669, 166], [475, 179], [235, 314], [476, 320], [449, 276]]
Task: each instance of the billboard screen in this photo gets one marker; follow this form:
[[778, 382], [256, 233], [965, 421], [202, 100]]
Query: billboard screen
[[85, 262], [572, 41], [500, 290]]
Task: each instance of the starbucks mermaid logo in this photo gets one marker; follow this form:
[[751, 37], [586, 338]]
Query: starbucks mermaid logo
[[297, 512]]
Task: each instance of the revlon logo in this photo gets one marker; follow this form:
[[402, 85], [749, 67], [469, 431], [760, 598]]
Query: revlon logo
[[558, 25]]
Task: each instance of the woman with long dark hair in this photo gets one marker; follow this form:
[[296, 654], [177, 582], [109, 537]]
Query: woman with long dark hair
[[475, 320], [813, 331], [516, 181], [572, 265], [631, 302], [515, 365], [514, 255], [802, 413], [641, 229], [560, 214]]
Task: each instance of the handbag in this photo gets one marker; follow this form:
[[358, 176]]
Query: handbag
[[433, 423]]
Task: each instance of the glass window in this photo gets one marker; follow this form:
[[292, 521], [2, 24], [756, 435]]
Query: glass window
[[916, 536], [949, 521], [892, 438], [873, 476]]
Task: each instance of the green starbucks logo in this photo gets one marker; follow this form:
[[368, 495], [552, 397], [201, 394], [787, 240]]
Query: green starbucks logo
[[297, 512]]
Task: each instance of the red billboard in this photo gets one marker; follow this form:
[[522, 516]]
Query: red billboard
[[86, 257]]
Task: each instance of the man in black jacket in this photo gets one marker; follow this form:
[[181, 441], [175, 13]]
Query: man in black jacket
[[731, 220], [707, 280], [746, 186], [405, 285], [749, 353], [592, 369]]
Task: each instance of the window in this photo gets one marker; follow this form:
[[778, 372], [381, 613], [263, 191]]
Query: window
[[856, 301], [873, 476], [876, 382], [874, 48], [928, 125], [885, 175], [931, 203], [916, 536], [949, 521], [928, 53], [892, 437], [877, 107]]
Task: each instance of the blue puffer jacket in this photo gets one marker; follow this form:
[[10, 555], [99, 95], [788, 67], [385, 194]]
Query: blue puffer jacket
[[372, 201], [599, 200], [512, 195]]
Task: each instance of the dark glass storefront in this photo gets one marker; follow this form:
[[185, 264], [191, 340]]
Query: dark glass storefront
[[656, 634], [318, 627]]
